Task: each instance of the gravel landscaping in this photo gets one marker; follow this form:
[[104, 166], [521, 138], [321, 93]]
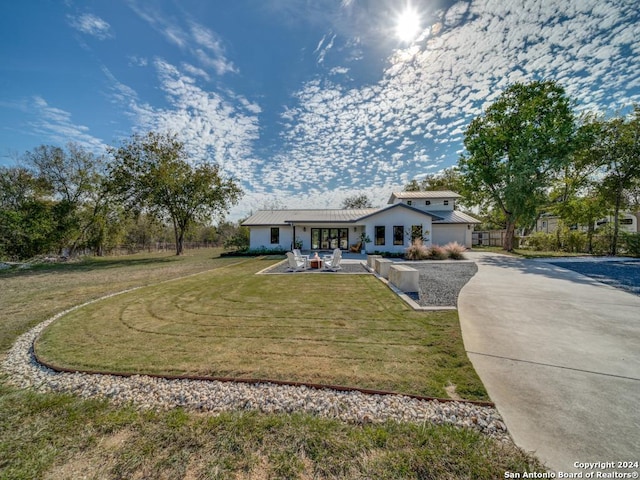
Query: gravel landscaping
[[214, 396], [440, 280]]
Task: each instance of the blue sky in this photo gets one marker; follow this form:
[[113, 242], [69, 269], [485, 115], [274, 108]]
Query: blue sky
[[303, 101]]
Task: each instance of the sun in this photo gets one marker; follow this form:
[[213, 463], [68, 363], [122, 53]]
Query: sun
[[408, 25]]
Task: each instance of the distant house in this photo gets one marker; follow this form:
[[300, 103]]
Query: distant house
[[430, 215], [548, 223]]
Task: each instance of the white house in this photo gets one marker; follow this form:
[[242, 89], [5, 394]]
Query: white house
[[430, 215]]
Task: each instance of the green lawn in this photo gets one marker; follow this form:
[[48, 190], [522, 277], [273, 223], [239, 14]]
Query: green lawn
[[331, 329], [64, 437]]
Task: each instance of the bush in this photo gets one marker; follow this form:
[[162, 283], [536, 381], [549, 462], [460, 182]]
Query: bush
[[417, 251], [436, 252], [630, 243], [574, 241], [455, 251], [540, 241]]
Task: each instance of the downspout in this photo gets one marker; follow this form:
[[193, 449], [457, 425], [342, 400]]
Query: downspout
[[293, 239]]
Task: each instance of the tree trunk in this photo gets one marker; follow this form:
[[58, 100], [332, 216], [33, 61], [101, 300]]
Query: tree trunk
[[590, 231], [509, 236], [179, 237], [616, 213]]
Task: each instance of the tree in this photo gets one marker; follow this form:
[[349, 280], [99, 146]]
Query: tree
[[153, 172], [617, 146], [446, 179], [574, 195], [357, 201], [513, 149], [74, 177], [27, 223]]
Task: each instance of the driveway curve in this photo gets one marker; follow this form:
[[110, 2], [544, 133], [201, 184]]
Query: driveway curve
[[559, 354]]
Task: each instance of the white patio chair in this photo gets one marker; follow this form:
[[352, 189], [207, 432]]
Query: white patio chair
[[295, 264], [299, 256], [332, 262]]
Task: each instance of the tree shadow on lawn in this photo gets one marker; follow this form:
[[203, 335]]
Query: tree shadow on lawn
[[87, 265], [624, 275]]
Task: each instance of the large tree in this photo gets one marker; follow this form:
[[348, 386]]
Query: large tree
[[357, 201], [446, 179], [617, 147], [27, 218], [153, 172], [74, 177], [513, 149]]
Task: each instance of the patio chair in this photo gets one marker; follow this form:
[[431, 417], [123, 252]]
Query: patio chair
[[299, 256], [332, 262], [295, 264], [356, 247]]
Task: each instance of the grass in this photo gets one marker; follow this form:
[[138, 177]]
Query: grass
[[62, 436], [230, 322], [527, 253]]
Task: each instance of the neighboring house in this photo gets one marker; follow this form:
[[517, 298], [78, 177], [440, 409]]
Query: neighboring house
[[548, 223], [430, 215]]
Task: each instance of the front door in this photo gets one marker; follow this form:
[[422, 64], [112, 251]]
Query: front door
[[329, 238]]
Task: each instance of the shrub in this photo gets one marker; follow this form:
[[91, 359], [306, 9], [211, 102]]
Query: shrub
[[574, 241], [455, 251], [417, 251], [436, 252], [540, 241], [630, 243]]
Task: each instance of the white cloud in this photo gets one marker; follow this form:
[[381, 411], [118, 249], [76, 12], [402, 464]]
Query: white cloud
[[57, 126], [217, 127], [391, 130], [91, 25], [190, 36]]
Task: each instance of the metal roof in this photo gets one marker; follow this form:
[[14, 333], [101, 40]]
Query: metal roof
[[287, 217], [453, 216], [431, 194]]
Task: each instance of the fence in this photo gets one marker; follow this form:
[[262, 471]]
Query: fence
[[153, 247], [488, 238]]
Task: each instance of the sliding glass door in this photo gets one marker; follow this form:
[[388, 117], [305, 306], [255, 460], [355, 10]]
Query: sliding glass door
[[329, 238]]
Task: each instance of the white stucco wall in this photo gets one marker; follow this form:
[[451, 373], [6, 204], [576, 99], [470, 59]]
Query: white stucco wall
[[260, 237], [396, 217]]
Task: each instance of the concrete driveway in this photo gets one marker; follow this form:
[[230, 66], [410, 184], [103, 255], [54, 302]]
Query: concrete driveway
[[559, 354]]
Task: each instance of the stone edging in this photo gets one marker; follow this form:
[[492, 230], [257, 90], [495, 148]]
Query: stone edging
[[24, 371]]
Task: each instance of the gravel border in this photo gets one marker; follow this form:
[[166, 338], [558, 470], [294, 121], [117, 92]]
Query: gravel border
[[214, 396]]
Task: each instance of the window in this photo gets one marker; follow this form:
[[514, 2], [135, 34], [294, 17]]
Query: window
[[446, 202], [398, 235], [427, 202], [275, 235], [409, 202], [379, 240], [416, 232], [329, 238]]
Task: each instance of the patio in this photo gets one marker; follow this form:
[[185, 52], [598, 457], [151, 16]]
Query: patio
[[351, 263]]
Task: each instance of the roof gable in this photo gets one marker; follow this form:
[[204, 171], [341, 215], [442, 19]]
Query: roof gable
[[287, 217], [401, 205], [426, 195]]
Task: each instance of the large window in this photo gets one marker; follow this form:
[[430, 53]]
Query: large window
[[379, 240], [329, 238], [275, 235], [398, 235]]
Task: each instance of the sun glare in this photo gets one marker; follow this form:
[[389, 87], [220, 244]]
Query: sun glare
[[408, 25]]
